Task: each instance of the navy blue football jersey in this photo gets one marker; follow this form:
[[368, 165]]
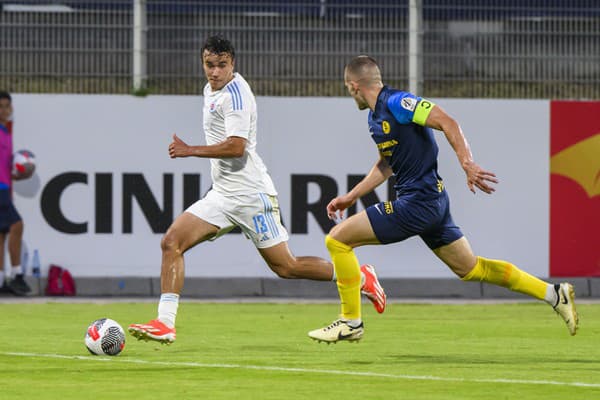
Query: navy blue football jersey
[[397, 127]]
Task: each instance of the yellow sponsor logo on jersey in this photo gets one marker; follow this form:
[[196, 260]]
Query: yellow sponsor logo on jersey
[[387, 144], [386, 127], [387, 207], [440, 186]]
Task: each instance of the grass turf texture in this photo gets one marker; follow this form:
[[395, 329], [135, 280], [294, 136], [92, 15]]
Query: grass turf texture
[[233, 351]]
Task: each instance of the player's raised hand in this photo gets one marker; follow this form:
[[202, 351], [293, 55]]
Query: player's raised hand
[[478, 177], [337, 206], [178, 148]]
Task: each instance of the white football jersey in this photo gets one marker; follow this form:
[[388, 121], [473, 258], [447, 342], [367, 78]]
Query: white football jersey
[[231, 111]]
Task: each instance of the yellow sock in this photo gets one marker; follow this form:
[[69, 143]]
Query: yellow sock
[[505, 274], [347, 271]]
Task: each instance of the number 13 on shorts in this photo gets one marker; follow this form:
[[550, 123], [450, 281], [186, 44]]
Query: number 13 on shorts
[[260, 224], [268, 230]]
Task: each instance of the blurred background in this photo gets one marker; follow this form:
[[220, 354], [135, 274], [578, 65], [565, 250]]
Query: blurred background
[[460, 48]]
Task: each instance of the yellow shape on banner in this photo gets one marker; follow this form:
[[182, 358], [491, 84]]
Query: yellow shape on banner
[[581, 163]]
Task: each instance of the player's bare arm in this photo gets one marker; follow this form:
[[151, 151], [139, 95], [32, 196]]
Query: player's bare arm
[[380, 172], [232, 147], [476, 176]]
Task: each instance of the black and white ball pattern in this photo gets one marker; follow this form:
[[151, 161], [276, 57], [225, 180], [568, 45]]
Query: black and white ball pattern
[[105, 337]]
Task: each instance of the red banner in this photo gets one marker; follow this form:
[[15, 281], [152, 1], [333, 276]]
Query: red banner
[[575, 188]]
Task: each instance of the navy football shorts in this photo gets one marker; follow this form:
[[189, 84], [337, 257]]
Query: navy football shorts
[[394, 221], [8, 212]]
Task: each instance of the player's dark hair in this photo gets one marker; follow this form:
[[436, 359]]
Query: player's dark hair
[[219, 45], [357, 64], [5, 95]]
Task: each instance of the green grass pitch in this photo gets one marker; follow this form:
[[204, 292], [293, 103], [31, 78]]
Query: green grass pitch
[[260, 351]]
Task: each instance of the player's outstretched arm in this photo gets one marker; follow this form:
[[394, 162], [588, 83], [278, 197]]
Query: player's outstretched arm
[[476, 176], [380, 172], [232, 147]]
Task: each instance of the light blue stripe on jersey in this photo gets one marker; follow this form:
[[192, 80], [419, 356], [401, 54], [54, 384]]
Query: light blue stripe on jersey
[[236, 97], [233, 98], [237, 90]]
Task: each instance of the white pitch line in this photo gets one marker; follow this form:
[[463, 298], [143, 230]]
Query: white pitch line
[[304, 370]]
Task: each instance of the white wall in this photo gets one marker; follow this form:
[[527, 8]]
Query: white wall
[[123, 134]]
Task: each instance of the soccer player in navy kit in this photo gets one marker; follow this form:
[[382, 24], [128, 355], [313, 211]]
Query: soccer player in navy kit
[[400, 124]]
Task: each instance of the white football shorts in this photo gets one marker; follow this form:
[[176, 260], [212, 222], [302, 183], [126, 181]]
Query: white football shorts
[[256, 214]]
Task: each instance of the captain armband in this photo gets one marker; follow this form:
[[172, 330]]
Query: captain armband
[[422, 111]]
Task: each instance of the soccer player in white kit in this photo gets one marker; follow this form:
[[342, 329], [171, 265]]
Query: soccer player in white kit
[[242, 195]]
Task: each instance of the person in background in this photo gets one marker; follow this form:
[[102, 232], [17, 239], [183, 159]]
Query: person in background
[[11, 223]]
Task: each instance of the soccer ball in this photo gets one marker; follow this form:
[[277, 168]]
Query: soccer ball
[[23, 164], [105, 337]]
